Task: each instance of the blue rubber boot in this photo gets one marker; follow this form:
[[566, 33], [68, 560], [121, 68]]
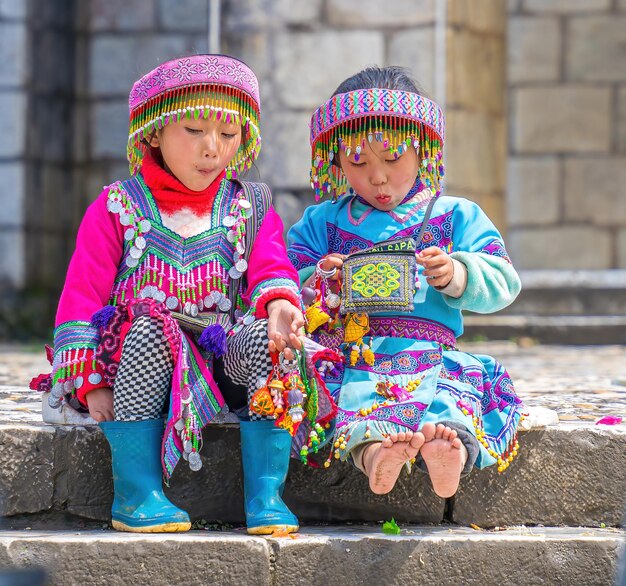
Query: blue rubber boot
[[139, 504], [265, 452]]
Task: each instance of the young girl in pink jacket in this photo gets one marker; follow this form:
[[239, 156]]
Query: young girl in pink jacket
[[181, 243]]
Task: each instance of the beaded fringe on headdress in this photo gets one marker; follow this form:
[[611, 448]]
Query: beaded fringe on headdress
[[399, 119]]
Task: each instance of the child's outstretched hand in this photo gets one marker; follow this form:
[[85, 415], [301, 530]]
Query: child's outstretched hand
[[284, 327], [100, 403], [438, 266]]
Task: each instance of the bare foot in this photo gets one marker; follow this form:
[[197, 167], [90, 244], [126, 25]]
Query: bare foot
[[444, 455], [383, 461]]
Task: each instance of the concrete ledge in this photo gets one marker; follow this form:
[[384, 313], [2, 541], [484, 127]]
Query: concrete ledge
[[554, 329], [565, 474], [324, 555]]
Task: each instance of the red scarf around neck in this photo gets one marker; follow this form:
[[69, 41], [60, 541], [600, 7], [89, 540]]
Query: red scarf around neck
[[170, 194]]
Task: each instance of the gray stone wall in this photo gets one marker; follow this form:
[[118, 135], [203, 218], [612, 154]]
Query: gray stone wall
[[67, 67], [566, 197], [301, 52], [13, 105], [475, 70]]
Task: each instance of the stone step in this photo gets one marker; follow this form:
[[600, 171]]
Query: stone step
[[556, 329], [560, 292], [560, 307], [321, 555], [566, 474]]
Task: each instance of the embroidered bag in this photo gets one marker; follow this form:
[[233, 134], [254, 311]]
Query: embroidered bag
[[382, 278]]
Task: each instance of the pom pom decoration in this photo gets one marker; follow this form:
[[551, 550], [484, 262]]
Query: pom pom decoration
[[213, 339]]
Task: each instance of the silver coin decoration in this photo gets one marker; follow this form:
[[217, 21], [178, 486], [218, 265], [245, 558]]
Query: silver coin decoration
[[185, 456], [245, 204], [78, 382], [115, 207], [95, 378], [171, 302], [234, 273], [225, 304], [68, 386], [194, 310], [200, 304], [160, 296], [145, 226], [179, 425], [249, 319], [239, 247], [186, 399], [129, 234], [187, 446], [187, 308], [140, 242], [208, 301], [241, 265], [135, 252], [131, 262], [231, 236], [229, 221], [195, 462], [54, 402], [125, 219]]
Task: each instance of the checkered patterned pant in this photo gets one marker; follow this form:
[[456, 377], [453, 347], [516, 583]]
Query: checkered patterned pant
[[144, 376], [245, 363]]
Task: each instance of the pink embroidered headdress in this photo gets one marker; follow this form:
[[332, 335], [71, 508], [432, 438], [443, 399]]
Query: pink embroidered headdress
[[400, 119], [216, 86]]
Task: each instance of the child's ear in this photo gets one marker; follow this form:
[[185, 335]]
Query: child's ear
[[153, 141]]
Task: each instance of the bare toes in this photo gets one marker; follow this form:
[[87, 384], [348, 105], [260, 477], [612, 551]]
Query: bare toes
[[428, 431], [417, 441]]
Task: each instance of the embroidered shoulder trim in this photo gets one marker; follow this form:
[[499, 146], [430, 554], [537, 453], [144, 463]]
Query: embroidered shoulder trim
[[120, 203]]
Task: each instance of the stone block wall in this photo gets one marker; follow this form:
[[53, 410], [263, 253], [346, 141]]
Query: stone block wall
[[475, 152], [566, 196], [302, 52], [13, 105], [67, 67]]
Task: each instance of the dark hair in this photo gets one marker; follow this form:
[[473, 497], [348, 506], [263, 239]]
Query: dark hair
[[391, 77]]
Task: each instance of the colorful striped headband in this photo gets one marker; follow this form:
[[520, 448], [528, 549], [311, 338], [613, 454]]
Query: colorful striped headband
[[208, 86], [398, 119]]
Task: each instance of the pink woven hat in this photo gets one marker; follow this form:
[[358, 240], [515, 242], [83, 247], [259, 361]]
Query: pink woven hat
[[208, 86], [399, 119]]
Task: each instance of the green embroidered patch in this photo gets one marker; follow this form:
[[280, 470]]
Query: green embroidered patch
[[381, 278]]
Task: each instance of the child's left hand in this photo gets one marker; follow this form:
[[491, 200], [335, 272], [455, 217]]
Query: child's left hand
[[284, 327], [438, 266]]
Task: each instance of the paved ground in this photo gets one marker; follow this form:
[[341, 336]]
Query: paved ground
[[582, 383]]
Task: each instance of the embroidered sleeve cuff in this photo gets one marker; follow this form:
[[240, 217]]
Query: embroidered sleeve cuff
[[73, 366], [492, 283], [274, 289], [92, 378], [457, 285]]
